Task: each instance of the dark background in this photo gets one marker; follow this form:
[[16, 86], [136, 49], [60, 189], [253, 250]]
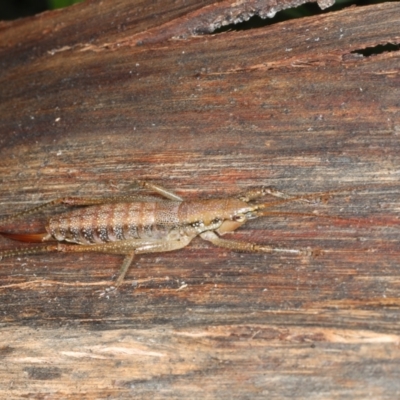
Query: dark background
[[13, 9]]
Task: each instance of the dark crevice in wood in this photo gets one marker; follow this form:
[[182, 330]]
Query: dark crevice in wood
[[306, 10], [379, 49]]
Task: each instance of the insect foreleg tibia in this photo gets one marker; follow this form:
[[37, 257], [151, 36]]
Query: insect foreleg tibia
[[261, 191], [256, 193], [248, 247]]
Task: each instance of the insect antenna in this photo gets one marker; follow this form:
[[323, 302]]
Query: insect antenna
[[322, 197], [260, 209], [303, 214]]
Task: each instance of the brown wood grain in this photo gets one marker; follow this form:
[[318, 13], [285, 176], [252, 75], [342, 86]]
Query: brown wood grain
[[103, 93]]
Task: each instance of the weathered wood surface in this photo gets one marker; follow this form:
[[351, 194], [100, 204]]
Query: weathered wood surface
[[95, 96]]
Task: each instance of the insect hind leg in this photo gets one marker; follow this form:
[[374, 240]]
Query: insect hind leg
[[71, 201], [124, 268], [27, 251], [155, 247], [90, 201], [30, 211], [129, 248]]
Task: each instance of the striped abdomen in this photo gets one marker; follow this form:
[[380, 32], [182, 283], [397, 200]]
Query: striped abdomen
[[115, 222]]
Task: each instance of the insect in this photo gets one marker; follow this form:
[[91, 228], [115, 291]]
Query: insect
[[130, 225]]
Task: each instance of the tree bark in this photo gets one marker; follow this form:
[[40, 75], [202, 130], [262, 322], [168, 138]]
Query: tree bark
[[103, 93]]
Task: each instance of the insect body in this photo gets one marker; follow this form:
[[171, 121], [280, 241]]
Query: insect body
[[137, 225]]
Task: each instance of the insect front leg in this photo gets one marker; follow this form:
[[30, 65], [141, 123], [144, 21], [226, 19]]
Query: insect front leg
[[248, 247], [258, 192]]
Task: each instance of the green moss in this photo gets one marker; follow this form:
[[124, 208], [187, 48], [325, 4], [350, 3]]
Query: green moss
[[61, 3]]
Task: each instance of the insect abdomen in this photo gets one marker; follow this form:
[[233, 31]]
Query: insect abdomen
[[115, 222]]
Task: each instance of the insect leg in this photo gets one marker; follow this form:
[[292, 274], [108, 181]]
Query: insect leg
[[26, 251], [124, 268], [154, 247], [129, 248], [72, 201], [79, 201], [68, 248], [258, 192], [160, 190], [89, 201], [29, 211], [262, 191], [248, 247]]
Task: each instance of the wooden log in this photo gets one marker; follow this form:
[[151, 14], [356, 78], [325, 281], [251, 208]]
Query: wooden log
[[100, 94]]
